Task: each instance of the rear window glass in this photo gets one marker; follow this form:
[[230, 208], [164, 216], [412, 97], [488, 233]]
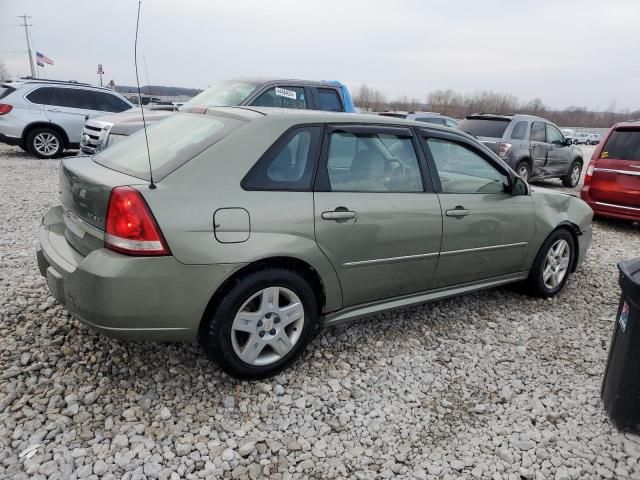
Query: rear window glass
[[622, 145], [484, 127], [172, 142]]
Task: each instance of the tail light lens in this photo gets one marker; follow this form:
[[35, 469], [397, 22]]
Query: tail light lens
[[5, 108], [130, 226], [589, 173], [504, 150]]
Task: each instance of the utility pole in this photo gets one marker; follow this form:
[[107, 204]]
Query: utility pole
[[26, 31]]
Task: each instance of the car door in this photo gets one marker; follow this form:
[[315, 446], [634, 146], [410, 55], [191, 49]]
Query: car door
[[485, 229], [538, 148], [558, 152], [69, 107], [376, 216]]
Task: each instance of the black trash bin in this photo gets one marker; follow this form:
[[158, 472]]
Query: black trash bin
[[621, 384]]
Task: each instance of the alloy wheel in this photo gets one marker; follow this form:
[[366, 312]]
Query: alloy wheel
[[523, 172], [556, 264], [575, 175], [46, 144], [267, 326]]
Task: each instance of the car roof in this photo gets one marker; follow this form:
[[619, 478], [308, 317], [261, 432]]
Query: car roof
[[250, 113], [270, 80], [628, 124], [53, 83], [505, 116]]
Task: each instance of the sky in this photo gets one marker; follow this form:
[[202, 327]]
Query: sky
[[566, 52]]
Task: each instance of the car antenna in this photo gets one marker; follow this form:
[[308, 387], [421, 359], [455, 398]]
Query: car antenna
[[152, 185]]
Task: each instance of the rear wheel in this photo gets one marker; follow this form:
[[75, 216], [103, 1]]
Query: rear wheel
[[572, 178], [45, 143], [552, 265], [262, 325], [524, 171]]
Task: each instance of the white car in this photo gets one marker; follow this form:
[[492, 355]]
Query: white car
[[594, 138], [582, 137], [45, 117], [570, 135]]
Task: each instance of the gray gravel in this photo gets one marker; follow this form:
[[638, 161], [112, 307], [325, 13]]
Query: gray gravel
[[491, 385]]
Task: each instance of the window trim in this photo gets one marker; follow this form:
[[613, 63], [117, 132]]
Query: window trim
[[322, 183], [544, 124], [426, 134], [276, 147]]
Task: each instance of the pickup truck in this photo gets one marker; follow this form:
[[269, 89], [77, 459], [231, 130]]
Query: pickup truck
[[100, 132]]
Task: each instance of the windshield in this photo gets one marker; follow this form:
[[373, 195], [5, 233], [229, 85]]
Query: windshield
[[622, 145], [224, 94], [484, 127], [172, 142]]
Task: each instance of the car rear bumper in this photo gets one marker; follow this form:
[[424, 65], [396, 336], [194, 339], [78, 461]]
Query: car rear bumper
[[151, 298], [10, 140], [612, 210]]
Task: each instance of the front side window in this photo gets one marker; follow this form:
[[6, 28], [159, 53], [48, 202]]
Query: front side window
[[372, 163], [437, 121], [461, 170], [519, 130], [538, 132], [282, 97], [289, 165], [329, 100], [110, 103], [554, 135]]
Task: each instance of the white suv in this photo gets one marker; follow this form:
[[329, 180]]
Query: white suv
[[44, 117]]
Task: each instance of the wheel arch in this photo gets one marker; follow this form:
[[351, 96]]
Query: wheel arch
[[301, 267], [29, 128], [575, 232]]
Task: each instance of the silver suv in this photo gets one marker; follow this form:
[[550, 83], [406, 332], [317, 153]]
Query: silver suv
[[45, 117]]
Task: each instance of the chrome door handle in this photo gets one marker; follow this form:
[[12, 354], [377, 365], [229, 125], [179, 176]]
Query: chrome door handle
[[338, 215], [457, 212]]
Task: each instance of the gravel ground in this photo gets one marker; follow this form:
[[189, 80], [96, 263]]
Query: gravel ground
[[490, 385]]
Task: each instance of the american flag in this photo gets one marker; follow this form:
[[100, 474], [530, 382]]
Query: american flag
[[41, 58]]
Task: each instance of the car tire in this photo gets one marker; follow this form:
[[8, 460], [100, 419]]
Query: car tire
[[552, 265], [572, 178], [45, 143], [248, 316], [524, 170]]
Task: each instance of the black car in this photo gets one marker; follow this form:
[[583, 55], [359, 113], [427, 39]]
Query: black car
[[534, 147]]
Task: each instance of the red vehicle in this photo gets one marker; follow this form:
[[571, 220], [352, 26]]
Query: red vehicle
[[612, 182]]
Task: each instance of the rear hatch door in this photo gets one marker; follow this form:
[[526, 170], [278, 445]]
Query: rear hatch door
[[488, 130], [616, 176]]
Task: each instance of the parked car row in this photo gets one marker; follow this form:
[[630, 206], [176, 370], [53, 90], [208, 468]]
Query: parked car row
[[581, 137]]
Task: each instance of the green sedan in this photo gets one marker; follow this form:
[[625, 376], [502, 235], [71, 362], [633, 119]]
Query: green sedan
[[260, 225]]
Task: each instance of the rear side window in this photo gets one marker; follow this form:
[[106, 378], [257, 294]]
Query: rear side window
[[519, 131], [329, 100], [484, 127], [75, 98], [110, 103], [372, 163], [172, 142], [289, 164], [538, 132], [41, 96], [622, 145], [282, 97]]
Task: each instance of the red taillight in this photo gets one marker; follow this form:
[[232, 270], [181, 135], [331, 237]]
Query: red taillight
[[5, 108], [504, 150], [131, 228], [589, 173]]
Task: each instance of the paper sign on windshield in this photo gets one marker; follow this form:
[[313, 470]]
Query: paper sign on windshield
[[283, 92]]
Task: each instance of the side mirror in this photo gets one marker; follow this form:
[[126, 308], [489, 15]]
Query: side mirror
[[568, 141], [519, 186]]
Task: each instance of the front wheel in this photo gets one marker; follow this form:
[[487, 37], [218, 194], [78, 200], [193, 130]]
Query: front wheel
[[552, 265], [262, 325], [45, 143], [572, 178]]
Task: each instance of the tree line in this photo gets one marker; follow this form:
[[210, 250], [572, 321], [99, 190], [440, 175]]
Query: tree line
[[459, 105]]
